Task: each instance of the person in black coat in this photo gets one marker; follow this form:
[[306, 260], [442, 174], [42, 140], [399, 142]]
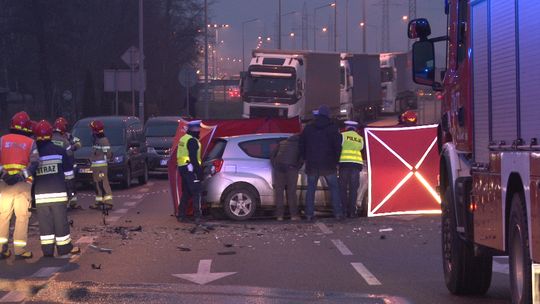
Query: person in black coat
[[320, 147]]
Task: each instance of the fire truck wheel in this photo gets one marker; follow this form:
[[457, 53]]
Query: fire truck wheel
[[463, 272], [519, 255]]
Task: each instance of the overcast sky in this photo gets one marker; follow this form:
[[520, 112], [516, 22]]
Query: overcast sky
[[234, 12]]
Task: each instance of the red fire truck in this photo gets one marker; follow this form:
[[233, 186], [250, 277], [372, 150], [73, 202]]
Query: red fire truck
[[489, 151]]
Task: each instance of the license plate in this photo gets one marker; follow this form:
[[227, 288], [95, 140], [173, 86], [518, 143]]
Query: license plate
[[163, 162], [85, 170]]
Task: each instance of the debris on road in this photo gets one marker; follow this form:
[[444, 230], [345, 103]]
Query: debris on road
[[386, 230], [100, 249], [226, 253], [97, 267], [182, 248]]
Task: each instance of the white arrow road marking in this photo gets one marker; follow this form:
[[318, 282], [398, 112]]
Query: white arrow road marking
[[323, 228], [130, 204], [341, 247], [203, 275], [366, 274]]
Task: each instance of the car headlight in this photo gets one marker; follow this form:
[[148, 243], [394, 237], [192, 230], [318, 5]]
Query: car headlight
[[118, 159], [152, 150]]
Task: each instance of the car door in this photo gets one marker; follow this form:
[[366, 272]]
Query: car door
[[134, 147]]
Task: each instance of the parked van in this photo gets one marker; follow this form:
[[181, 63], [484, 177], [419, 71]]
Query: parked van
[[159, 133], [128, 144]]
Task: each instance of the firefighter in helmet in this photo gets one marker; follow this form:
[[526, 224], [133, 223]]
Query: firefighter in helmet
[[70, 144], [188, 157], [19, 160], [29, 128], [408, 118], [101, 154], [51, 193]]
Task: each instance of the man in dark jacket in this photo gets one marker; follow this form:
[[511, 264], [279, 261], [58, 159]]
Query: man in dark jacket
[[285, 165], [320, 147]]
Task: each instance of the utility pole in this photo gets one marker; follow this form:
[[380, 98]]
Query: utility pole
[[305, 44], [335, 25], [279, 26], [385, 27], [347, 26], [142, 83], [206, 59], [412, 15]]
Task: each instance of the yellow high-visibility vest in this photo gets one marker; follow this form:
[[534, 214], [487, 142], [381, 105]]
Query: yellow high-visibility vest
[[182, 153], [351, 148]]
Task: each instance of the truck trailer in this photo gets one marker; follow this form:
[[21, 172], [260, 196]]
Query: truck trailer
[[398, 92], [488, 141], [360, 86], [286, 84]]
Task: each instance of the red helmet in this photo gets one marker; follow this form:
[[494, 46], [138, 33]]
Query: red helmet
[[409, 117], [61, 125], [43, 131], [30, 125], [19, 121], [97, 126]]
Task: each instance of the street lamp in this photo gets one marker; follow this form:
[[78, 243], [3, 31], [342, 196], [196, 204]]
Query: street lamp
[[244, 38], [334, 5], [216, 28]]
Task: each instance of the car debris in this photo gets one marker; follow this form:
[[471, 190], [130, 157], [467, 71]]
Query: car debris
[[97, 267], [226, 253], [386, 229], [100, 249], [182, 248]]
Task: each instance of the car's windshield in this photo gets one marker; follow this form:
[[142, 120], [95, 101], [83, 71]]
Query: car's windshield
[[114, 134], [161, 129]]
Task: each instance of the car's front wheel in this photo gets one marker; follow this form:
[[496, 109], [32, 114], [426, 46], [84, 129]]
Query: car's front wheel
[[126, 183], [240, 202], [143, 179]]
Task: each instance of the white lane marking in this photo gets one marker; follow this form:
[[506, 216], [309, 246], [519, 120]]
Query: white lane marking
[[45, 272], [130, 204], [85, 240], [203, 274], [341, 247], [142, 190], [150, 184], [111, 219], [324, 228], [121, 211], [366, 274], [137, 197], [13, 296]]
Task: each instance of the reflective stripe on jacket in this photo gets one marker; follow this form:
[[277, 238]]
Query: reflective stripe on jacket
[[182, 154], [352, 146]]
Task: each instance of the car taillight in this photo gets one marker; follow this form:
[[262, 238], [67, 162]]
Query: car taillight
[[216, 166]]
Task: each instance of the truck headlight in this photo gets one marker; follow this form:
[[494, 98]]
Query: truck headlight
[[343, 111]]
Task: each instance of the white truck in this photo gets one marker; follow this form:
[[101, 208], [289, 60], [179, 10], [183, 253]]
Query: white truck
[[281, 83], [360, 86], [398, 92]]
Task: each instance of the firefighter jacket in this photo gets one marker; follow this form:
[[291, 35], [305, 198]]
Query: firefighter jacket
[[54, 168], [351, 148], [61, 141], [18, 154], [74, 142], [101, 152]]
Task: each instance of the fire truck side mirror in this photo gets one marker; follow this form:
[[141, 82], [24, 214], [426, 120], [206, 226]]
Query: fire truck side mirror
[[424, 62], [418, 28]]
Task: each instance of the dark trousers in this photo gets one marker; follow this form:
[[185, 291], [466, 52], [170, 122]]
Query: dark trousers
[[285, 178], [349, 182], [190, 189], [54, 228]]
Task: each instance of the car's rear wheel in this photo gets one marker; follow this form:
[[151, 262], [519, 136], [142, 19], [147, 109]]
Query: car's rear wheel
[[126, 183], [240, 202], [143, 179]]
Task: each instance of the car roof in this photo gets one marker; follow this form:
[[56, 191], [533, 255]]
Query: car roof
[[108, 120], [163, 119], [239, 138]]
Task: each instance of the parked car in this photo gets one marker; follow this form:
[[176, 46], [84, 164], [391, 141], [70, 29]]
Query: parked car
[[159, 133], [239, 176], [126, 136]]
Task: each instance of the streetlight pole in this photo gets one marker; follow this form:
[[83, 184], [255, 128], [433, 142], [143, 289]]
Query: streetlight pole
[[142, 83], [279, 25], [244, 40], [206, 105], [335, 24], [347, 26], [315, 22], [364, 27]]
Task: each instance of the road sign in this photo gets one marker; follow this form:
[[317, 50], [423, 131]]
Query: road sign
[[131, 57], [67, 95], [187, 76]]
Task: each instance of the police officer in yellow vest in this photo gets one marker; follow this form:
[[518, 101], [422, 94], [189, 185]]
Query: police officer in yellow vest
[[188, 158], [350, 165]]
